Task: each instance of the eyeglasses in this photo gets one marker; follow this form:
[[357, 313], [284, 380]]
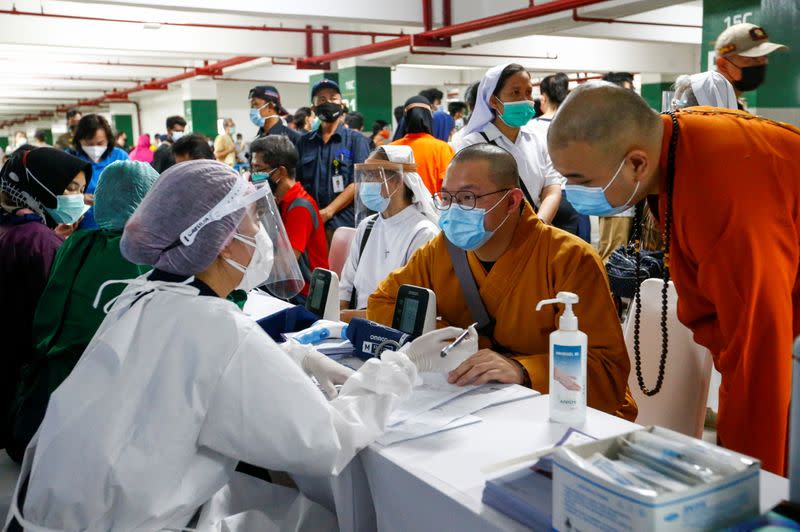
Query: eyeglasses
[[465, 199]]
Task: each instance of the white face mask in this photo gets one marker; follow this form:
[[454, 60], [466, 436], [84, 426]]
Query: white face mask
[[257, 272], [176, 135], [95, 152]]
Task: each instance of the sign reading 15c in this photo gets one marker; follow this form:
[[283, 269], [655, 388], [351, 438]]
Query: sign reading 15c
[[739, 18]]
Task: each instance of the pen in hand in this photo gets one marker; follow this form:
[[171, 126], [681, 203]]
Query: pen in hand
[[457, 341]]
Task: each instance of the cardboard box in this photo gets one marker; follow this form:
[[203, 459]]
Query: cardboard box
[[583, 501]]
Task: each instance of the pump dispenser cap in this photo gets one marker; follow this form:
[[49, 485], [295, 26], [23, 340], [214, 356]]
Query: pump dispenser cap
[[568, 320]]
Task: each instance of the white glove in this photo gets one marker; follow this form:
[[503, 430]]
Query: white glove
[[425, 351], [327, 372]]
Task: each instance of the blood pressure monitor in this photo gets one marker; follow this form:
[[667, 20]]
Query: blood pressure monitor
[[415, 310], [323, 294]]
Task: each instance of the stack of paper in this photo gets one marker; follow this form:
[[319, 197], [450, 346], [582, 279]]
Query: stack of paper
[[526, 495], [436, 406]]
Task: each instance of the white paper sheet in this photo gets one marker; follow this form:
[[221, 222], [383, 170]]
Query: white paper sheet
[[260, 305], [413, 429], [434, 391]]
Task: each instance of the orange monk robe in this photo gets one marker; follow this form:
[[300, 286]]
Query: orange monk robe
[[734, 259], [432, 157], [540, 262]]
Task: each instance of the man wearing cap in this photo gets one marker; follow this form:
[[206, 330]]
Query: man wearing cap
[[266, 111], [724, 185], [742, 52], [327, 156]]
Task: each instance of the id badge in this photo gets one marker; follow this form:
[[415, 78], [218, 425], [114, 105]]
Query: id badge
[[338, 183]]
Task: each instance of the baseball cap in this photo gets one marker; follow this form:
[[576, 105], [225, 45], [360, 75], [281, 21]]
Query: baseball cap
[[747, 40], [268, 93], [324, 83]]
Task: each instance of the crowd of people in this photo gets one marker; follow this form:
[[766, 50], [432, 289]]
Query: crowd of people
[[125, 350]]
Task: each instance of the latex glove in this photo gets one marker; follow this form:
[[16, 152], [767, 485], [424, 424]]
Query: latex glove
[[425, 351], [327, 372]]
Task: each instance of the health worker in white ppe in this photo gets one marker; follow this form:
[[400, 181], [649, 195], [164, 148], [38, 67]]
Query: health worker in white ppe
[[178, 385], [395, 215]]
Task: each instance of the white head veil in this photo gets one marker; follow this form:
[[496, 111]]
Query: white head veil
[[422, 197], [483, 114], [709, 88]]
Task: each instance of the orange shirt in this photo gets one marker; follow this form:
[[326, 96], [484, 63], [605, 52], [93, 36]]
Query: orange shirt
[[432, 157], [540, 262], [734, 258]]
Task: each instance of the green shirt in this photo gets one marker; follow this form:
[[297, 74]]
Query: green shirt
[[65, 320]]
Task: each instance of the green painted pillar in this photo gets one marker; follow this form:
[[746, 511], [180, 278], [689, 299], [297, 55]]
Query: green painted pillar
[[124, 123], [779, 96], [201, 117], [4, 143], [368, 90], [719, 15], [653, 93]]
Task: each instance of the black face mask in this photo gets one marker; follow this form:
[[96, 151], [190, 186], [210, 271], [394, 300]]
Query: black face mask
[[752, 77], [328, 111], [273, 186]]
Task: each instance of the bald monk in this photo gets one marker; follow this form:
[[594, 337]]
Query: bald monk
[[516, 260], [734, 249]]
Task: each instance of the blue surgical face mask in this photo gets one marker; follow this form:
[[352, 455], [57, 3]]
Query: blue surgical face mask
[[592, 201], [69, 208], [315, 123], [464, 228], [370, 195], [517, 114], [256, 118]]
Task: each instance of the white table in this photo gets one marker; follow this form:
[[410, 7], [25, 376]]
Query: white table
[[436, 482]]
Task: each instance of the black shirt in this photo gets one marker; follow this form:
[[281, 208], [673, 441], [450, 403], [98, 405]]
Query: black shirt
[[280, 129], [163, 158]]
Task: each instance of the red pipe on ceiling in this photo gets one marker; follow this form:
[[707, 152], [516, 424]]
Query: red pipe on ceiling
[[447, 13], [282, 29], [427, 14], [579, 18], [467, 54], [445, 32]]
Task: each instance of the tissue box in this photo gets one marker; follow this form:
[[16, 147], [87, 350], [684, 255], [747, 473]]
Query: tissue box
[[584, 501]]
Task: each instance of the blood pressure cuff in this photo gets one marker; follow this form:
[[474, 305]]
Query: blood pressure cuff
[[292, 319], [368, 336]]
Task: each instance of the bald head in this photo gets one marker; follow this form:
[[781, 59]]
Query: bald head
[[503, 170], [603, 115]]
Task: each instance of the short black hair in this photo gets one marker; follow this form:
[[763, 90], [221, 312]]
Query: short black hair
[[618, 78], [456, 107], [378, 126], [502, 165], [355, 121], [276, 150], [176, 120], [40, 135], [299, 118], [194, 145], [432, 94], [87, 129], [471, 95], [399, 111], [556, 87], [507, 72], [72, 112]]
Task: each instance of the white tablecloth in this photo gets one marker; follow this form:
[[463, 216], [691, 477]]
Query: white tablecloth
[[436, 482]]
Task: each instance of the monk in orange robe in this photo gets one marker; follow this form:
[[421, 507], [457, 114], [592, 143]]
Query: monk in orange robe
[[518, 261], [733, 209]]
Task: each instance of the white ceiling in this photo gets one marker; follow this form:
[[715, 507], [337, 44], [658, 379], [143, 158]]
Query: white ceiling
[[49, 62]]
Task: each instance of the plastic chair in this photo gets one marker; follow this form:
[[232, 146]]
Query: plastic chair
[[340, 247], [681, 403]]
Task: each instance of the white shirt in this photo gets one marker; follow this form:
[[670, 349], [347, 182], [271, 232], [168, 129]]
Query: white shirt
[[391, 243], [533, 160]]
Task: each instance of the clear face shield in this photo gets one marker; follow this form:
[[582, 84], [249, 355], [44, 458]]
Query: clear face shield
[[273, 266], [377, 182]]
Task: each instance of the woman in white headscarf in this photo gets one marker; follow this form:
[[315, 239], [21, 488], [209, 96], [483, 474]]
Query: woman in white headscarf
[[705, 88], [502, 111], [387, 184]]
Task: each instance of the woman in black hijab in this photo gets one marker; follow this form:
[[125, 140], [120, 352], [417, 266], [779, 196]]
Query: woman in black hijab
[[40, 189], [417, 117]]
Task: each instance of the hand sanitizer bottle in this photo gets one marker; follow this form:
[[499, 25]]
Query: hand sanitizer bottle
[[567, 364]]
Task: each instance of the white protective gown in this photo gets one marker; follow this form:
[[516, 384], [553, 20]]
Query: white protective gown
[[390, 245], [174, 390]]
